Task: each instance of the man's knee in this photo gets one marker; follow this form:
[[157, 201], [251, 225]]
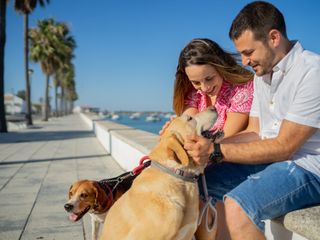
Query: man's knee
[[235, 216]]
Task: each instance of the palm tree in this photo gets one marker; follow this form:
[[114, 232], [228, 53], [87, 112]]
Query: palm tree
[[59, 79], [57, 84], [68, 92], [64, 74], [72, 95], [51, 46], [3, 122], [25, 7]]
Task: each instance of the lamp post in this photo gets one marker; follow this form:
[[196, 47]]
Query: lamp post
[[28, 98]]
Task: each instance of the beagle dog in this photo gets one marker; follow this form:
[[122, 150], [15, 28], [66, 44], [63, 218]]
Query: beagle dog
[[163, 201], [95, 198]]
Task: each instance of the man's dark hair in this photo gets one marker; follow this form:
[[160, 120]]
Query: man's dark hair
[[259, 17]]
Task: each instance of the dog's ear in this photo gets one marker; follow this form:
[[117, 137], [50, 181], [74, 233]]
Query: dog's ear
[[69, 194], [100, 197], [97, 196], [176, 146]]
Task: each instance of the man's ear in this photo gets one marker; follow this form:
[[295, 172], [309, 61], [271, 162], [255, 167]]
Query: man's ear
[[176, 146], [275, 36]]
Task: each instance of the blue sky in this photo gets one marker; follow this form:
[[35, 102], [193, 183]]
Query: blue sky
[[127, 51]]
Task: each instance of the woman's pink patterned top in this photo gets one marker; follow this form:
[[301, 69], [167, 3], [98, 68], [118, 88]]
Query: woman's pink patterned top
[[231, 98]]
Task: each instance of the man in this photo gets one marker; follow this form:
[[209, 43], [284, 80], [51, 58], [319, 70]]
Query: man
[[273, 167]]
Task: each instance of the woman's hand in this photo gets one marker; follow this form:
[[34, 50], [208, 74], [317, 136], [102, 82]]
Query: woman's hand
[[165, 126]]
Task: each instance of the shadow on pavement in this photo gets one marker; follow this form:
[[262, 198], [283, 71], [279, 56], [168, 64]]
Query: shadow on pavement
[[53, 159], [18, 137]]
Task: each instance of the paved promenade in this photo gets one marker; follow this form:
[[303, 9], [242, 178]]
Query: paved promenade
[[37, 167]]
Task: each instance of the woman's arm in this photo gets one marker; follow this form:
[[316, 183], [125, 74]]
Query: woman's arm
[[251, 133], [235, 123], [190, 111]]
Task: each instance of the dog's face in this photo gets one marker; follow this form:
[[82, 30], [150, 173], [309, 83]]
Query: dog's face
[[187, 125], [84, 196], [174, 136]]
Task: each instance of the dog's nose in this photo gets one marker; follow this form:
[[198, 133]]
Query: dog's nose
[[212, 108], [68, 207]]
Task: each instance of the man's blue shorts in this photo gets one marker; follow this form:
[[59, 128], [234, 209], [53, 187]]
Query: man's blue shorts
[[264, 191]]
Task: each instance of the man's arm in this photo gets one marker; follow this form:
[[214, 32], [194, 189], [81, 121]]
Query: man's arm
[[291, 137]]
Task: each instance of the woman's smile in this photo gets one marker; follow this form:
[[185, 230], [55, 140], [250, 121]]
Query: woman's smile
[[212, 92]]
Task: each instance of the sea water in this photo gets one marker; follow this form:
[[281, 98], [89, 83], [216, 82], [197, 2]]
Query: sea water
[[141, 123]]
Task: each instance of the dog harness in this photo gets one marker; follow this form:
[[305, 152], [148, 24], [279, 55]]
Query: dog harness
[[106, 184]]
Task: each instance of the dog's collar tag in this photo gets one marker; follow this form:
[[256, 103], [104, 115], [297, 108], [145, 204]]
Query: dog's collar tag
[[179, 172]]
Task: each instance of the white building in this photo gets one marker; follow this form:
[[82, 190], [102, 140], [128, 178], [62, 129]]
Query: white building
[[14, 104]]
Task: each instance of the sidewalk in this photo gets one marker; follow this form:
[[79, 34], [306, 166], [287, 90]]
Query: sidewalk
[[37, 167]]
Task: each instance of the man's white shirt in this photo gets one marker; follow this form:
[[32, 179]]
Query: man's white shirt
[[291, 93]]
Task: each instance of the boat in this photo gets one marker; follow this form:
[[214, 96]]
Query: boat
[[170, 115], [135, 116], [153, 118], [115, 117]]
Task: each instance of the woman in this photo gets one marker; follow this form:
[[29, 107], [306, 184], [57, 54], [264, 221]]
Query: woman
[[209, 76]]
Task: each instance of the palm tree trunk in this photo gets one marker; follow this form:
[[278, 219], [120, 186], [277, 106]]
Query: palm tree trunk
[[65, 105], [45, 106], [62, 101], [71, 106], [56, 100], [26, 66], [3, 122]]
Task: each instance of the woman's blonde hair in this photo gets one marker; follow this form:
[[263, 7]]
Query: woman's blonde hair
[[202, 51]]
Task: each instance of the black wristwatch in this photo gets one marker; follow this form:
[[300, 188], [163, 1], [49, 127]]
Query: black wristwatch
[[216, 156]]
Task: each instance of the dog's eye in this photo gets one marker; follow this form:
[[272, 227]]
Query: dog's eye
[[189, 118], [83, 195]]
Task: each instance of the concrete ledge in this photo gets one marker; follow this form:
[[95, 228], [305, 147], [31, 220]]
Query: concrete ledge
[[305, 222], [127, 145], [15, 126]]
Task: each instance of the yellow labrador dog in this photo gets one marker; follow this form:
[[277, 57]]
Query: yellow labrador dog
[[163, 201]]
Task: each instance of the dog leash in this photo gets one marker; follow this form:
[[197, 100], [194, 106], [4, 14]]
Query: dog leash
[[143, 163], [205, 209]]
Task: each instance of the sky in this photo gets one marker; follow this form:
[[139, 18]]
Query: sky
[[127, 50]]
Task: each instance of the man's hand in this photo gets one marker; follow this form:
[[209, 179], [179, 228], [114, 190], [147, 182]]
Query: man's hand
[[199, 148]]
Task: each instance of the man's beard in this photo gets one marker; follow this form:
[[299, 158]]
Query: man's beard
[[267, 64]]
